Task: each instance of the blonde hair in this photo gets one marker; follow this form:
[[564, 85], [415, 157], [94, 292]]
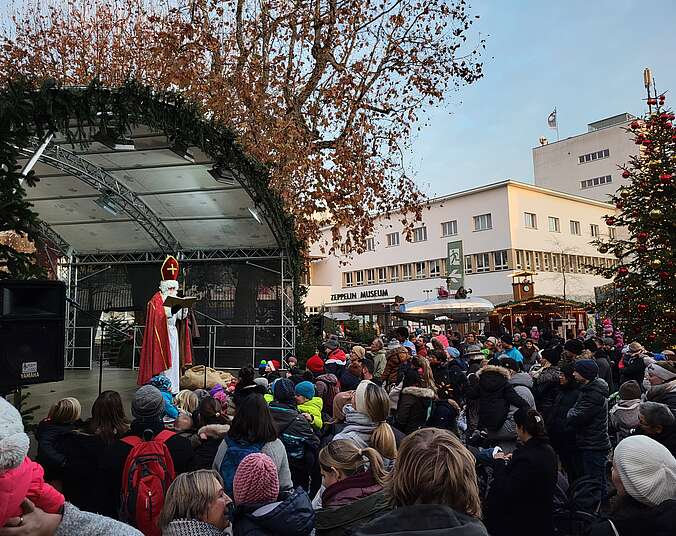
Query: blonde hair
[[190, 495], [344, 456], [187, 400], [427, 376], [377, 407], [65, 411], [434, 467]]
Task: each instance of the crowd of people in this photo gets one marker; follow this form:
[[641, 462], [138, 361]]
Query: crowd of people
[[415, 434]]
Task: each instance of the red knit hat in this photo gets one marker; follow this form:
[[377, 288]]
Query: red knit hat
[[256, 480]]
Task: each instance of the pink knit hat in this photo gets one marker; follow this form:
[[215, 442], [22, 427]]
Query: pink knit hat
[[256, 480]]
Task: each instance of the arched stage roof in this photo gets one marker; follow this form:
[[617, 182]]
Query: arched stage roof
[[130, 187]]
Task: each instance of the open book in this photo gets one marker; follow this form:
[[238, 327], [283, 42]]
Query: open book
[[175, 301]]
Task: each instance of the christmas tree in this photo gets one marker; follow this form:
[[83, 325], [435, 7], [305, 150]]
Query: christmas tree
[[643, 303]]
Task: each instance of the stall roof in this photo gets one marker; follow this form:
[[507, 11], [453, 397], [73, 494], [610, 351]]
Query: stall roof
[[168, 196]]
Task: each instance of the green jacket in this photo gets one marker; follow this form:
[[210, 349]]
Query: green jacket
[[313, 407]]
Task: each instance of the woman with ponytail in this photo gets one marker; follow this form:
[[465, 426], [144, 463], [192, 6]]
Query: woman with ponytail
[[353, 479], [530, 472]]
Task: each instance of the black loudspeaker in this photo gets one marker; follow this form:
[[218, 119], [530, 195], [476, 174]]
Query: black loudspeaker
[[32, 332]]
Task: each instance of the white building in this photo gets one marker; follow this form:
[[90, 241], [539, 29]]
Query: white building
[[502, 227], [587, 164]]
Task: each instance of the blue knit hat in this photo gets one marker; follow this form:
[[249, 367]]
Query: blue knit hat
[[161, 382], [587, 368], [306, 389]]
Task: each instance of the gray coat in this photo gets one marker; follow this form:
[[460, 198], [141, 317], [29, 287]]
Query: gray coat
[[75, 521]]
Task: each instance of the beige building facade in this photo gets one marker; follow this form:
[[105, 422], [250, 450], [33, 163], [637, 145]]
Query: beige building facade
[[500, 228], [588, 164]]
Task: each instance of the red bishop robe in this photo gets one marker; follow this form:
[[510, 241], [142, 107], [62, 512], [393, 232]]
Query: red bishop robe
[[155, 351]]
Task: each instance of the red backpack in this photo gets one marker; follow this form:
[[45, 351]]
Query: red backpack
[[148, 472]]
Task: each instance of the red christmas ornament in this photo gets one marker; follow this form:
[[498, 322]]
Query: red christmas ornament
[[664, 116], [610, 221], [652, 336], [665, 177], [641, 248], [642, 307], [642, 236], [668, 124], [652, 102], [622, 271], [672, 117], [626, 174], [634, 125], [619, 204], [673, 137], [646, 142], [664, 276]]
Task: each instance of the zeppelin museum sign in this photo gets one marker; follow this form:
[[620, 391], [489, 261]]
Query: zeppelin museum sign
[[361, 295]]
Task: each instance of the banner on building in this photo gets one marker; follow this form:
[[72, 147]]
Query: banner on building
[[455, 267]]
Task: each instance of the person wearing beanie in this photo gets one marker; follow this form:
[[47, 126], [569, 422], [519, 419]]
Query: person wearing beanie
[[147, 408], [20, 477], [604, 360], [662, 380], [624, 414], [589, 418], [546, 381], [315, 363], [509, 350], [295, 432], [644, 475], [309, 405], [260, 509], [164, 385], [561, 436]]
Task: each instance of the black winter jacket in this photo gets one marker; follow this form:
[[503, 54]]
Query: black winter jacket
[[605, 371], [293, 430], [633, 518], [545, 388], [423, 520], [561, 435], [293, 516], [413, 409], [531, 473], [51, 454], [495, 395], [115, 456], [634, 369], [589, 417], [444, 416]]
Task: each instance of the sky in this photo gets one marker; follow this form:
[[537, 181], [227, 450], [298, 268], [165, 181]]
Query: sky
[[586, 58]]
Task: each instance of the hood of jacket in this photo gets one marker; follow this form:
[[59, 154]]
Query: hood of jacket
[[329, 378], [493, 378], [350, 489], [424, 520], [294, 516], [597, 385], [420, 392], [283, 414], [355, 513], [657, 392], [522, 378], [191, 527]]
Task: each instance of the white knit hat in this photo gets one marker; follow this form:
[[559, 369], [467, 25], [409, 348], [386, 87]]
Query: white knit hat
[[647, 469], [360, 396], [14, 443]]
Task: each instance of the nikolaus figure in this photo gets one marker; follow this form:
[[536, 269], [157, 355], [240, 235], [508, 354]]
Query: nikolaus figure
[[167, 336]]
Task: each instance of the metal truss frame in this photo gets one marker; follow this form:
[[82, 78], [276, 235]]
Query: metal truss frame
[[67, 272], [103, 181], [288, 336], [197, 255]]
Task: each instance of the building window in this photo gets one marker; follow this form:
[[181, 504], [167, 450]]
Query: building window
[[406, 272], [370, 244], [370, 276], [449, 228], [482, 262], [611, 232], [500, 259], [359, 277], [555, 262], [519, 259], [538, 261], [596, 181], [435, 268], [382, 275], [529, 259], [594, 230], [349, 279], [575, 227], [392, 239], [531, 220], [468, 264], [420, 272], [483, 222], [596, 155], [394, 274], [545, 261], [420, 234], [554, 226]]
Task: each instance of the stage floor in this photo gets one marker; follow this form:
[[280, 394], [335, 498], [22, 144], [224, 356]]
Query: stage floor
[[84, 385]]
